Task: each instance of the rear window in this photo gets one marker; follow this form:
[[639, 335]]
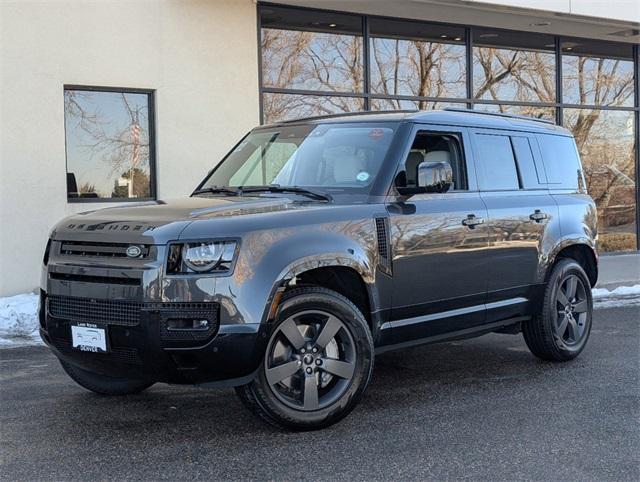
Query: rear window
[[561, 161], [497, 164]]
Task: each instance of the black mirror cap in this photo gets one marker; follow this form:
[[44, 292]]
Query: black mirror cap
[[435, 176]]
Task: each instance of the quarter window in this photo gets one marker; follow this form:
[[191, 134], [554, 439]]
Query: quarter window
[[109, 144], [497, 164]]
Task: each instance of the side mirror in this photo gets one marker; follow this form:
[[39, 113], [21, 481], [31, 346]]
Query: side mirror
[[435, 176]]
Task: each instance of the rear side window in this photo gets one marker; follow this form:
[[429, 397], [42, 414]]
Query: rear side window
[[531, 175], [496, 162], [561, 161]]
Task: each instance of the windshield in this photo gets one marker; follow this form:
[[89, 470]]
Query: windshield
[[328, 157]]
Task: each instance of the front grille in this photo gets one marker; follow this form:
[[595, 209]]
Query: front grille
[[110, 250], [125, 313]]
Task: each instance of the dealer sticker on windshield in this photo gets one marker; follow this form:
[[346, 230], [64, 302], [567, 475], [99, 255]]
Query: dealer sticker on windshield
[[89, 337]]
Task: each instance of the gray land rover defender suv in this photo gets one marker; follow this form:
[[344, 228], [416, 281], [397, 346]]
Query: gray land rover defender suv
[[318, 243]]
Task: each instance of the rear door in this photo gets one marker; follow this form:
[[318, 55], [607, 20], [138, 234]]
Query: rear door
[[439, 243], [513, 186]]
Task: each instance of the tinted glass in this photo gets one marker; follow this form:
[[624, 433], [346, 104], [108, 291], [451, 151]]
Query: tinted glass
[[605, 139], [530, 176], [496, 162], [417, 68], [597, 81], [279, 107], [404, 104], [294, 59], [335, 157], [107, 144], [561, 162]]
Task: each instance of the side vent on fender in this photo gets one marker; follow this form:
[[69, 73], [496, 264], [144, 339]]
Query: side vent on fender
[[384, 244]]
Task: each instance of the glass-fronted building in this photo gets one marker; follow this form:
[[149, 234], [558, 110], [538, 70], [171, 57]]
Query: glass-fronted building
[[317, 62], [107, 103]]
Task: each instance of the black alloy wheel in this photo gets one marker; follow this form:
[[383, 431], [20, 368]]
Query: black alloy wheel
[[560, 330], [317, 362]]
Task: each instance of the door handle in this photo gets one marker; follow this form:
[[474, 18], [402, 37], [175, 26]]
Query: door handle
[[538, 216], [471, 221]]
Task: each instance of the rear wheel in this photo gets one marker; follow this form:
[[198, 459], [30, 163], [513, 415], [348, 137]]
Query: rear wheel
[[318, 362], [561, 330], [103, 384]]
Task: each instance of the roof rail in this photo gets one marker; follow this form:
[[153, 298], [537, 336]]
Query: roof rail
[[500, 114], [347, 114]]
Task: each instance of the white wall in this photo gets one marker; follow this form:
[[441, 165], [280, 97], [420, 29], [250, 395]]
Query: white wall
[[627, 10], [199, 56]]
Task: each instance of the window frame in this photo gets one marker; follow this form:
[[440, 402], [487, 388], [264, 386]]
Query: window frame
[[468, 162], [150, 93]]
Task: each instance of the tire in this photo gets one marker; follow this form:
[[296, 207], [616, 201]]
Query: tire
[[560, 331], [102, 384], [300, 389]]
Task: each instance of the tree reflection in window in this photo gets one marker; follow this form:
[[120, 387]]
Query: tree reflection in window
[[107, 144], [280, 107], [597, 81], [417, 68], [605, 139], [312, 61], [514, 75]]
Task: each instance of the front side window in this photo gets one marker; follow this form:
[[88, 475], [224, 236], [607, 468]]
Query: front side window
[[338, 158], [436, 147], [108, 144]]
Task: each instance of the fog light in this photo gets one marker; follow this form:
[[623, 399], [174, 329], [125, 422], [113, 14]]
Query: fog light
[[187, 324]]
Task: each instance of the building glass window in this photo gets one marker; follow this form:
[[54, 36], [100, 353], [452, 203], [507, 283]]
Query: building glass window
[[588, 78], [318, 62], [605, 140], [413, 59], [539, 112], [109, 144], [506, 68], [281, 107]]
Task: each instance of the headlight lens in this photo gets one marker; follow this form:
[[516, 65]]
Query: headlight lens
[[201, 257]]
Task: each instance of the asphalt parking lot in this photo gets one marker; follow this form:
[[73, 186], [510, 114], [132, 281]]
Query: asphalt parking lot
[[478, 409]]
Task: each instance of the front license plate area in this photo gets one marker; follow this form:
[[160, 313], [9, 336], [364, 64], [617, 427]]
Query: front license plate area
[[91, 337]]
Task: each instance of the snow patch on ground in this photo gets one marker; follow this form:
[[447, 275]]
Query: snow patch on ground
[[19, 314], [19, 321], [621, 296]]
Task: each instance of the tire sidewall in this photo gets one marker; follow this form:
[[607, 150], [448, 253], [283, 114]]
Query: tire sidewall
[[320, 299], [563, 269]]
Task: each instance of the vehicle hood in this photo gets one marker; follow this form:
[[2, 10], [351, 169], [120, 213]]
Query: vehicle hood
[[161, 221]]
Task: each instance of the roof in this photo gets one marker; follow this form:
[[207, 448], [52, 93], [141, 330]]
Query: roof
[[452, 116]]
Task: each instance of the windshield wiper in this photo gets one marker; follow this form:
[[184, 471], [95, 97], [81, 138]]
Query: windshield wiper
[[218, 190], [303, 191]]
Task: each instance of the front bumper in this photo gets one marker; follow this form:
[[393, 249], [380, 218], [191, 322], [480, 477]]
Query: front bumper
[[146, 350], [134, 302]]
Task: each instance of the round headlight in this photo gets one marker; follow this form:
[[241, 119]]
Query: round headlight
[[202, 256]]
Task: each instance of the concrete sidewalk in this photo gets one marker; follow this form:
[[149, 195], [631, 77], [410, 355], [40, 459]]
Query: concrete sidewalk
[[619, 270]]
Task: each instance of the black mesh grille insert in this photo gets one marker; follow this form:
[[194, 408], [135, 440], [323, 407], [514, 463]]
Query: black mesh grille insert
[[126, 313], [382, 232], [111, 250]]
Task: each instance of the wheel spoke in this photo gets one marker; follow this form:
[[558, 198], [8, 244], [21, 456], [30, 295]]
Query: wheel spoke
[[581, 306], [572, 285], [562, 325], [279, 373], [290, 330], [311, 393], [339, 368], [329, 330], [573, 329], [562, 298]]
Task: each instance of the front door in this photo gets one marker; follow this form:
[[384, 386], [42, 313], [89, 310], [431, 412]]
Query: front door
[[439, 243]]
